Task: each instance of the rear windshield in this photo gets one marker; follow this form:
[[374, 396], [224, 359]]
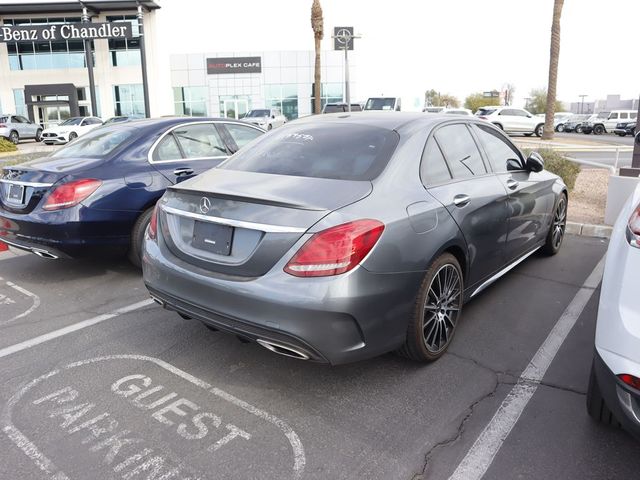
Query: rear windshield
[[485, 111], [342, 151], [333, 108], [380, 104], [97, 143]]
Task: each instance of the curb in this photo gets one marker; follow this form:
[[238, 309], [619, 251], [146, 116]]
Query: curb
[[587, 230]]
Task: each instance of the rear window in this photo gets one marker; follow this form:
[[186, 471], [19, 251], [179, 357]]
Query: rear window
[[341, 151], [333, 108], [3, 119], [97, 143], [485, 111], [380, 104]]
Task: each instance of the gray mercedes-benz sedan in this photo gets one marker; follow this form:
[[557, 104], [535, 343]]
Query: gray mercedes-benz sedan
[[340, 237]]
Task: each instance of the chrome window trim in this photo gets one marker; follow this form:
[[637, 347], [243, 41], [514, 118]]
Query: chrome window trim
[[26, 184], [171, 129], [234, 223]]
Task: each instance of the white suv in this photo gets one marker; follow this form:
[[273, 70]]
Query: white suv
[[614, 387], [512, 120]]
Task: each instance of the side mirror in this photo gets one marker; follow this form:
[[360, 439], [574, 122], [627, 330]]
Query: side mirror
[[535, 163], [273, 116]]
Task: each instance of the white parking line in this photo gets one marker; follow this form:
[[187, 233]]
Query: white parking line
[[35, 298], [71, 328], [479, 458]]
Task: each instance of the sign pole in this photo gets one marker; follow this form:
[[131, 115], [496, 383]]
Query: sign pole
[[143, 61], [347, 90], [635, 159], [88, 57], [343, 40]]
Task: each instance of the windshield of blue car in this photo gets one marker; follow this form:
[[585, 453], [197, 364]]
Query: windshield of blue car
[[72, 121], [95, 144], [257, 113], [336, 151]]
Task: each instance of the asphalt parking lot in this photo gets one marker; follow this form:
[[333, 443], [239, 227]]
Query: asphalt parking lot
[[99, 382]]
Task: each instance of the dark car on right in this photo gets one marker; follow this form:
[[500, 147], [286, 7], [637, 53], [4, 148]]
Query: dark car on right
[[625, 128], [574, 123]]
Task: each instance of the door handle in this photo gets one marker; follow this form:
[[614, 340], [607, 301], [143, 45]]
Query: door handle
[[512, 184], [461, 200], [179, 172]]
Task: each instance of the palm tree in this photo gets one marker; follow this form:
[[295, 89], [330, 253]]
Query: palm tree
[[318, 32], [553, 70]]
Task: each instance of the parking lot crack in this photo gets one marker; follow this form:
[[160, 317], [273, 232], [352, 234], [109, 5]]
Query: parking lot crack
[[563, 388]]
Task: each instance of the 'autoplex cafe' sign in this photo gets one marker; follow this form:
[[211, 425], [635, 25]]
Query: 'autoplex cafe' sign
[[65, 31], [234, 65]]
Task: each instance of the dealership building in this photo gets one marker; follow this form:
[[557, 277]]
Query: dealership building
[[44, 74]]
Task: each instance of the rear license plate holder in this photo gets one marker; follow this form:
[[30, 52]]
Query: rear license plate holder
[[212, 237], [15, 193]]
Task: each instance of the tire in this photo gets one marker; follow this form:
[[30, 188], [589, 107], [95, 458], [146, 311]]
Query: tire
[[598, 130], [14, 137], [137, 237], [560, 127], [442, 321], [578, 129], [623, 134], [269, 127], [528, 134], [39, 135], [558, 227], [539, 129], [72, 136], [596, 406]]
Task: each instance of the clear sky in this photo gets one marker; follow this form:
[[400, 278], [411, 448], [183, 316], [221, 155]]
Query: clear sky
[[454, 46]]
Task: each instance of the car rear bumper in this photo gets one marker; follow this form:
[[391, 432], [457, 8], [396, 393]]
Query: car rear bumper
[[70, 233], [621, 399], [333, 320]]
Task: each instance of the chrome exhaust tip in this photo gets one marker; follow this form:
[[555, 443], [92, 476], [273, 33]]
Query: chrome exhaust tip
[[283, 349], [158, 301], [44, 254]]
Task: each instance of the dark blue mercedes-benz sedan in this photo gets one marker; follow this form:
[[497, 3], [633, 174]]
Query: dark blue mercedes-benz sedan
[[96, 194]]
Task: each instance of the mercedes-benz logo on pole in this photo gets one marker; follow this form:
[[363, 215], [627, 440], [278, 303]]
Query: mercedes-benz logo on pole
[[343, 38], [205, 205]]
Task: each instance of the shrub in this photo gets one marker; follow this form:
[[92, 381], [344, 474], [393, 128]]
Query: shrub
[[560, 165], [7, 146]]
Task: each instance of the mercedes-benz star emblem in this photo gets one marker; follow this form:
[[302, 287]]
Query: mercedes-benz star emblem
[[205, 205]]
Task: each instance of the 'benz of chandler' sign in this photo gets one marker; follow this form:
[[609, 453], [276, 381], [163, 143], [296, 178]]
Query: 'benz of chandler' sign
[[65, 31]]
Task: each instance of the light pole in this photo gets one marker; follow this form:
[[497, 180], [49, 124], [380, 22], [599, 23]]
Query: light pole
[[88, 58], [344, 38], [582, 103], [143, 62]]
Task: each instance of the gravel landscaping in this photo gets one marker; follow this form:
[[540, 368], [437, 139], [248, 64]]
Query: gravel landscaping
[[589, 196]]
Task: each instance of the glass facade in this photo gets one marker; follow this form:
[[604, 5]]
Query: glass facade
[[128, 100], [190, 101], [329, 93], [18, 98], [125, 52], [45, 55]]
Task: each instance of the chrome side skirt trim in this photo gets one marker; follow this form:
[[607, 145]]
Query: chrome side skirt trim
[[503, 271], [26, 184], [234, 223]]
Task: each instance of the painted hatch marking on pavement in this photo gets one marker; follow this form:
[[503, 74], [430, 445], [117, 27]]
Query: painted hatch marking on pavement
[[32, 342], [481, 454], [34, 298], [30, 449]]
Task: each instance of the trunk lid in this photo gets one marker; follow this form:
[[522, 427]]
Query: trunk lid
[[242, 223], [23, 186]]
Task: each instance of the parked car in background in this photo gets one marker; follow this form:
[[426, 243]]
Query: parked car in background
[[434, 109], [122, 119], [625, 128], [384, 103], [69, 130], [341, 107], [613, 396], [16, 127], [559, 119], [267, 118], [304, 243], [512, 120], [574, 123], [458, 111], [595, 124], [95, 195]]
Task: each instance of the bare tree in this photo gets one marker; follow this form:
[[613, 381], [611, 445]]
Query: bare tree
[[554, 55], [508, 89], [317, 23]]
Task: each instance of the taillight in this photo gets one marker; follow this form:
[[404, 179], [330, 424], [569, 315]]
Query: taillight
[[634, 228], [630, 380], [335, 250], [70, 194], [153, 224], [2, 125]]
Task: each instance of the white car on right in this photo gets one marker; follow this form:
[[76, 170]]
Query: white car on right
[[512, 120], [613, 396]]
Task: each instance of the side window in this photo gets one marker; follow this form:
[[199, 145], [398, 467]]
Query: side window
[[23, 120], [460, 151], [624, 115], [200, 141], [15, 119], [613, 116], [521, 113], [634, 115], [501, 154], [241, 134], [433, 168], [506, 112], [167, 149]]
